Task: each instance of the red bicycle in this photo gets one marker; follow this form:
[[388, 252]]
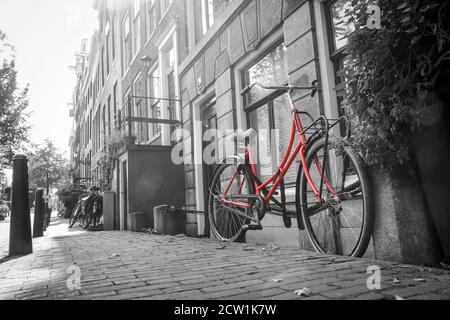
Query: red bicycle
[[333, 200]]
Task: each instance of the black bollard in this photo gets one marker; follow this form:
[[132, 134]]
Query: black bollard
[[49, 215], [44, 215], [20, 240], [38, 224]]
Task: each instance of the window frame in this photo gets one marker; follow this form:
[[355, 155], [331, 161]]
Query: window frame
[[207, 7], [334, 52], [153, 107], [136, 36], [126, 41], [152, 6], [336, 56], [248, 107], [267, 100], [163, 9]]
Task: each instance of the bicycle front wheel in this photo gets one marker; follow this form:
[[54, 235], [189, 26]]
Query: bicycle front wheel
[[227, 220], [74, 215], [342, 222]]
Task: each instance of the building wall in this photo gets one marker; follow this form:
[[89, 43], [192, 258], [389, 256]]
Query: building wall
[[243, 34], [210, 64], [155, 180]]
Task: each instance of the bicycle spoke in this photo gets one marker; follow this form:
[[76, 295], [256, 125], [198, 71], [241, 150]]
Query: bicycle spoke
[[336, 225]]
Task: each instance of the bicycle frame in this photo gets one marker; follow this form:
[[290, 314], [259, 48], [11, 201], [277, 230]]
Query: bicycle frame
[[288, 159]]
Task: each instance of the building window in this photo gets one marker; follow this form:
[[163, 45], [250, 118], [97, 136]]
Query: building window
[[113, 38], [153, 89], [169, 79], [104, 125], [164, 4], [340, 25], [136, 28], [269, 112], [109, 115], [108, 39], [126, 40], [103, 67], [90, 125], [270, 70], [152, 16], [205, 13], [171, 95], [140, 110], [339, 29], [116, 120]]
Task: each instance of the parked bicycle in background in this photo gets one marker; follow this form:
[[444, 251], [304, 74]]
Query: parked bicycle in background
[[89, 210]]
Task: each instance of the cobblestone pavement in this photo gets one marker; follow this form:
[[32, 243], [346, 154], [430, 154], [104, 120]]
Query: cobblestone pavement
[[123, 265]]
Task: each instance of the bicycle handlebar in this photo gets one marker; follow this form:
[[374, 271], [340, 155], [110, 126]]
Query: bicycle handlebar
[[313, 88]]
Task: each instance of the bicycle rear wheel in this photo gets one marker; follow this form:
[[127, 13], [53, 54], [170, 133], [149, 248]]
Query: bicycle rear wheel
[[342, 224], [74, 215], [226, 220]]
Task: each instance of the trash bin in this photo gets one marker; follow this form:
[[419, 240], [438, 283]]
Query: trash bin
[[137, 222], [169, 220]]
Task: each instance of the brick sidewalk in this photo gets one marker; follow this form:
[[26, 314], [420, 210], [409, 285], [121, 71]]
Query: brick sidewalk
[[123, 265]]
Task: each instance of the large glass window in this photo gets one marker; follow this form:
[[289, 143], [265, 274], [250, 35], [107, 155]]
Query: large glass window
[[269, 112], [136, 28], [270, 70], [340, 28], [103, 66], [169, 72], [113, 40], [152, 16], [126, 41], [140, 110], [205, 14], [109, 115], [116, 120]]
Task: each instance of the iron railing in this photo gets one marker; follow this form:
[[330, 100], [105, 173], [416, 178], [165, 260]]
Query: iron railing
[[135, 121]]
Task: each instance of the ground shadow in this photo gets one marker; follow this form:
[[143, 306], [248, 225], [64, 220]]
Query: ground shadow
[[9, 258]]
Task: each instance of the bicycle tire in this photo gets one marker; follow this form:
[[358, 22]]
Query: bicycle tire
[[73, 218], [91, 217], [340, 220], [233, 231], [94, 215]]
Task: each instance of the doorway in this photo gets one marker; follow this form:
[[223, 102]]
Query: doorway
[[124, 195], [209, 122]]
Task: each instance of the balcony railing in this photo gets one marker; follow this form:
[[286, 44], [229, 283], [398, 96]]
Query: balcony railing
[[140, 118]]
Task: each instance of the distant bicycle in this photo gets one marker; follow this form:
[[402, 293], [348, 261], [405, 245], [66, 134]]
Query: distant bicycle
[[88, 210]]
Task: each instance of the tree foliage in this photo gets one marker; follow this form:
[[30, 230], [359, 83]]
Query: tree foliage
[[391, 74], [13, 102], [47, 167]]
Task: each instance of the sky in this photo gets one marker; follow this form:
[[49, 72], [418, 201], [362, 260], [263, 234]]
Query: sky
[[46, 34]]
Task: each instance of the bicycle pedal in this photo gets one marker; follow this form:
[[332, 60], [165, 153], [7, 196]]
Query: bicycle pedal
[[252, 227]]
